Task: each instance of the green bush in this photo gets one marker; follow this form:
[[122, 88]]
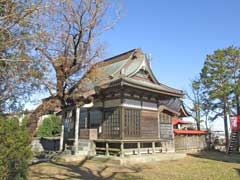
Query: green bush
[[15, 150], [50, 127]]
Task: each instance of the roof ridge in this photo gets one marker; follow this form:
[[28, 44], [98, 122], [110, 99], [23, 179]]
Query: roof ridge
[[108, 60]]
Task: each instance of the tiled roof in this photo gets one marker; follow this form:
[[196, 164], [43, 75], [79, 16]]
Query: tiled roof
[[122, 67]]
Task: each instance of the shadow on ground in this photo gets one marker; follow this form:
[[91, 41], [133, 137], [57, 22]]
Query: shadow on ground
[[85, 170], [238, 170], [217, 156]]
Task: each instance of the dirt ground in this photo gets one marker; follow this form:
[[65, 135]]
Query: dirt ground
[[211, 165]]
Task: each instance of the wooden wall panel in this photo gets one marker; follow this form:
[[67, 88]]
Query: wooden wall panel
[[149, 124], [132, 118], [190, 142]]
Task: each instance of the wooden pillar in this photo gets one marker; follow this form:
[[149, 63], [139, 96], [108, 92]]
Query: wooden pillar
[[122, 122], [88, 119], [158, 118], [122, 150], [139, 148], [158, 127], [76, 136], [122, 115], [153, 147], [101, 134], [61, 138], [107, 149]]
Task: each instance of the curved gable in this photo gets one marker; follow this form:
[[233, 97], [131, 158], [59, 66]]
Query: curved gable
[[140, 65]]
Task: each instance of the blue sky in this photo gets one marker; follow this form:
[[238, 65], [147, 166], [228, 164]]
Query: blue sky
[[177, 34]]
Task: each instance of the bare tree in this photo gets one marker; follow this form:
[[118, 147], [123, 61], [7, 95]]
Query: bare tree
[[200, 106], [18, 68], [69, 43], [196, 101]]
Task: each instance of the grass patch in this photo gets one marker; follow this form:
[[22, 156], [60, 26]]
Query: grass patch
[[211, 165]]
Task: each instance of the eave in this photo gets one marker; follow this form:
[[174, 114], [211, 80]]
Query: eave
[[184, 112], [153, 88], [162, 108]]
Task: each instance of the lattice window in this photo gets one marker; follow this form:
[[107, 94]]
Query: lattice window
[[83, 118], [95, 118], [111, 122], [132, 122]]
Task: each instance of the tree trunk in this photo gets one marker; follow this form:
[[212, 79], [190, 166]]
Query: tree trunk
[[50, 104], [198, 125], [60, 87], [198, 120], [206, 122], [226, 124], [238, 105], [208, 137]]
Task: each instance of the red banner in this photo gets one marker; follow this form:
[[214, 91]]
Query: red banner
[[235, 123]]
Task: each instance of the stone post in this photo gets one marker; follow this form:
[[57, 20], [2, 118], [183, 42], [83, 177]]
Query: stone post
[[76, 135], [153, 147], [61, 139], [107, 149], [122, 150], [139, 148]]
